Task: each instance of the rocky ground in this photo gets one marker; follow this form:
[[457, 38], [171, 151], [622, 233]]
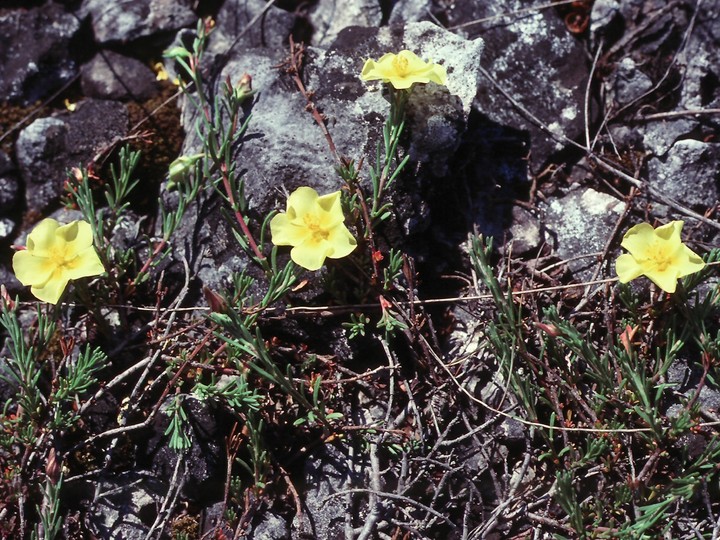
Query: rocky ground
[[561, 124]]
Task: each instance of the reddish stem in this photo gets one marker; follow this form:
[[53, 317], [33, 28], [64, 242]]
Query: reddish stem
[[238, 215]]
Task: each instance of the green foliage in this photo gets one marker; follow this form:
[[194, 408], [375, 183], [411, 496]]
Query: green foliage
[[607, 423], [49, 512], [234, 392], [178, 429], [609, 395]]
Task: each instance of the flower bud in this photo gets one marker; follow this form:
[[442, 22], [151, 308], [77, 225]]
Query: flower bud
[[180, 167], [52, 467], [243, 89], [177, 52]]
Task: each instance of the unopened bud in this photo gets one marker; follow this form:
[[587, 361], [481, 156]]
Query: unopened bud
[[177, 52], [549, 329], [243, 89], [216, 302], [9, 302], [180, 167], [52, 467]]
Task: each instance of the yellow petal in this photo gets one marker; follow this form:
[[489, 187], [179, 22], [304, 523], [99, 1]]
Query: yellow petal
[[692, 263], [666, 280], [415, 64], [329, 202], [31, 270], [51, 291], [402, 70], [300, 202], [670, 231], [627, 268], [42, 237], [87, 263], [438, 74], [77, 235], [638, 238], [369, 72], [310, 255], [285, 233], [332, 214], [341, 242]]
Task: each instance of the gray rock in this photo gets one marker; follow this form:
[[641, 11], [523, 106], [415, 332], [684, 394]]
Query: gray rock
[[35, 57], [552, 89], [405, 11], [688, 173], [329, 18], [113, 76], [125, 506], [686, 376], [233, 32], [604, 13], [658, 137], [126, 20], [581, 223], [9, 186], [270, 527], [7, 226], [49, 147], [526, 232], [630, 82], [701, 82], [205, 459], [326, 472], [355, 112]]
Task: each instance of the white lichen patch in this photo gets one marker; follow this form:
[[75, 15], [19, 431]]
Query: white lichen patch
[[459, 56], [569, 113]]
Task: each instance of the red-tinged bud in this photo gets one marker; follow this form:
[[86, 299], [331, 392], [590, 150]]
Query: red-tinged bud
[[9, 302], [216, 302], [52, 467], [549, 329], [243, 89], [77, 174], [626, 337]]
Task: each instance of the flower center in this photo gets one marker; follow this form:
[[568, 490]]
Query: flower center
[[59, 256], [312, 222], [400, 64], [659, 256]]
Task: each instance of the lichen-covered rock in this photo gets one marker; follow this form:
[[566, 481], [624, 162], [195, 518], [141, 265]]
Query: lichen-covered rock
[[630, 82], [50, 146], [35, 58], [404, 11], [654, 68], [9, 188], [327, 471], [551, 89], [581, 223], [284, 148], [113, 76], [688, 173], [203, 460], [328, 19], [126, 506], [526, 232], [234, 33], [701, 83], [126, 20]]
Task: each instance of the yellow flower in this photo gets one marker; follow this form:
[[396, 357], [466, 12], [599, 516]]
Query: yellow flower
[[314, 226], [402, 70], [56, 254], [658, 254]]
